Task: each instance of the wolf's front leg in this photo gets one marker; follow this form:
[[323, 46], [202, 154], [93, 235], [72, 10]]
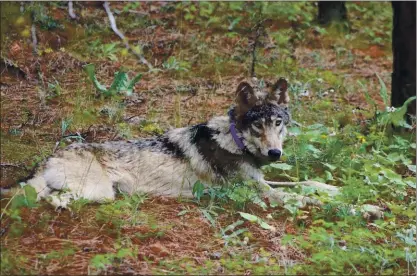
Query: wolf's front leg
[[329, 189], [368, 211], [280, 197], [61, 201], [274, 195]]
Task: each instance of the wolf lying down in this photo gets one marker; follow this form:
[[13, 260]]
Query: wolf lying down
[[224, 148]]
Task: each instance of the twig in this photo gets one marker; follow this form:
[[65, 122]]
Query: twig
[[56, 146], [259, 31], [139, 12], [4, 229], [189, 121], [10, 165], [34, 40], [37, 63], [189, 98], [7, 205], [71, 10], [113, 25]]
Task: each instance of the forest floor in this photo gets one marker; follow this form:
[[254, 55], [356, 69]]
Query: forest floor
[[339, 85]]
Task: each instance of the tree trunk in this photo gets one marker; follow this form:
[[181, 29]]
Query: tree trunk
[[404, 51], [330, 11]]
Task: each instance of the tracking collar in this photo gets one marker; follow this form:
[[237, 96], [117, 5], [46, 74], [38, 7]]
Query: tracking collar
[[238, 139]]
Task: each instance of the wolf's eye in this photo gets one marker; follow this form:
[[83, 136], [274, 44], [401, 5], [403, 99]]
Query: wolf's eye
[[278, 122], [258, 124]]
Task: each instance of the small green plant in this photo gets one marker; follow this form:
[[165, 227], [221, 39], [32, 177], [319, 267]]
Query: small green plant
[[76, 206], [173, 64], [124, 130], [24, 197], [44, 20], [101, 262], [109, 50], [256, 219], [58, 255], [151, 128], [230, 233], [198, 189], [121, 212], [390, 115], [131, 6], [54, 89], [121, 83], [65, 124]]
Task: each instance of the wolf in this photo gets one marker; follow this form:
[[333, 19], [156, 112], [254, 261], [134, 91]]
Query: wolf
[[237, 145]]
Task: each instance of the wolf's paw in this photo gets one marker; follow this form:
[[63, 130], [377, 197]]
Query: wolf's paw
[[368, 211], [371, 212], [280, 198], [60, 201], [329, 189]]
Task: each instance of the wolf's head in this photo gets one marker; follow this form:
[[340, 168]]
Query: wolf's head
[[261, 115]]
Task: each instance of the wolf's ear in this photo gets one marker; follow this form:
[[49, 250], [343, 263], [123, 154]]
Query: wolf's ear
[[245, 98], [279, 93]]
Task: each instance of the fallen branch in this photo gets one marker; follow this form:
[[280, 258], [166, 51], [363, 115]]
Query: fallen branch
[[11, 165], [37, 62], [113, 25], [259, 31], [255, 43], [34, 40]]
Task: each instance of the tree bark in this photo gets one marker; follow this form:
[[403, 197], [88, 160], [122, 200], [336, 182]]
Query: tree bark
[[404, 52], [330, 11]]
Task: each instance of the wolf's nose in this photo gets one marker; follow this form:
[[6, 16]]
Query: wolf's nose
[[276, 153]]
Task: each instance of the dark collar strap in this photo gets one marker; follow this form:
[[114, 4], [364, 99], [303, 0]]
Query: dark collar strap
[[238, 140]]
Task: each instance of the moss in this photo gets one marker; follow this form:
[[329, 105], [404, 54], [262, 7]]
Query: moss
[[151, 128], [17, 150], [84, 118], [331, 78], [22, 152], [322, 106], [344, 118]]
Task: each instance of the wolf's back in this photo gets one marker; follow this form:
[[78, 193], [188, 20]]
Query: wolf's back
[[96, 171]]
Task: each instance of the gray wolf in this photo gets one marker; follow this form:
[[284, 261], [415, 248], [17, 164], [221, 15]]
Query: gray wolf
[[236, 145]]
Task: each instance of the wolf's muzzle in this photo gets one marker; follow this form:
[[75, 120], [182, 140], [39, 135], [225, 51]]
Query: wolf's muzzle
[[274, 153]]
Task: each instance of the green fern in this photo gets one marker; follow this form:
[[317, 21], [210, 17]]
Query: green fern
[[121, 83], [397, 117]]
